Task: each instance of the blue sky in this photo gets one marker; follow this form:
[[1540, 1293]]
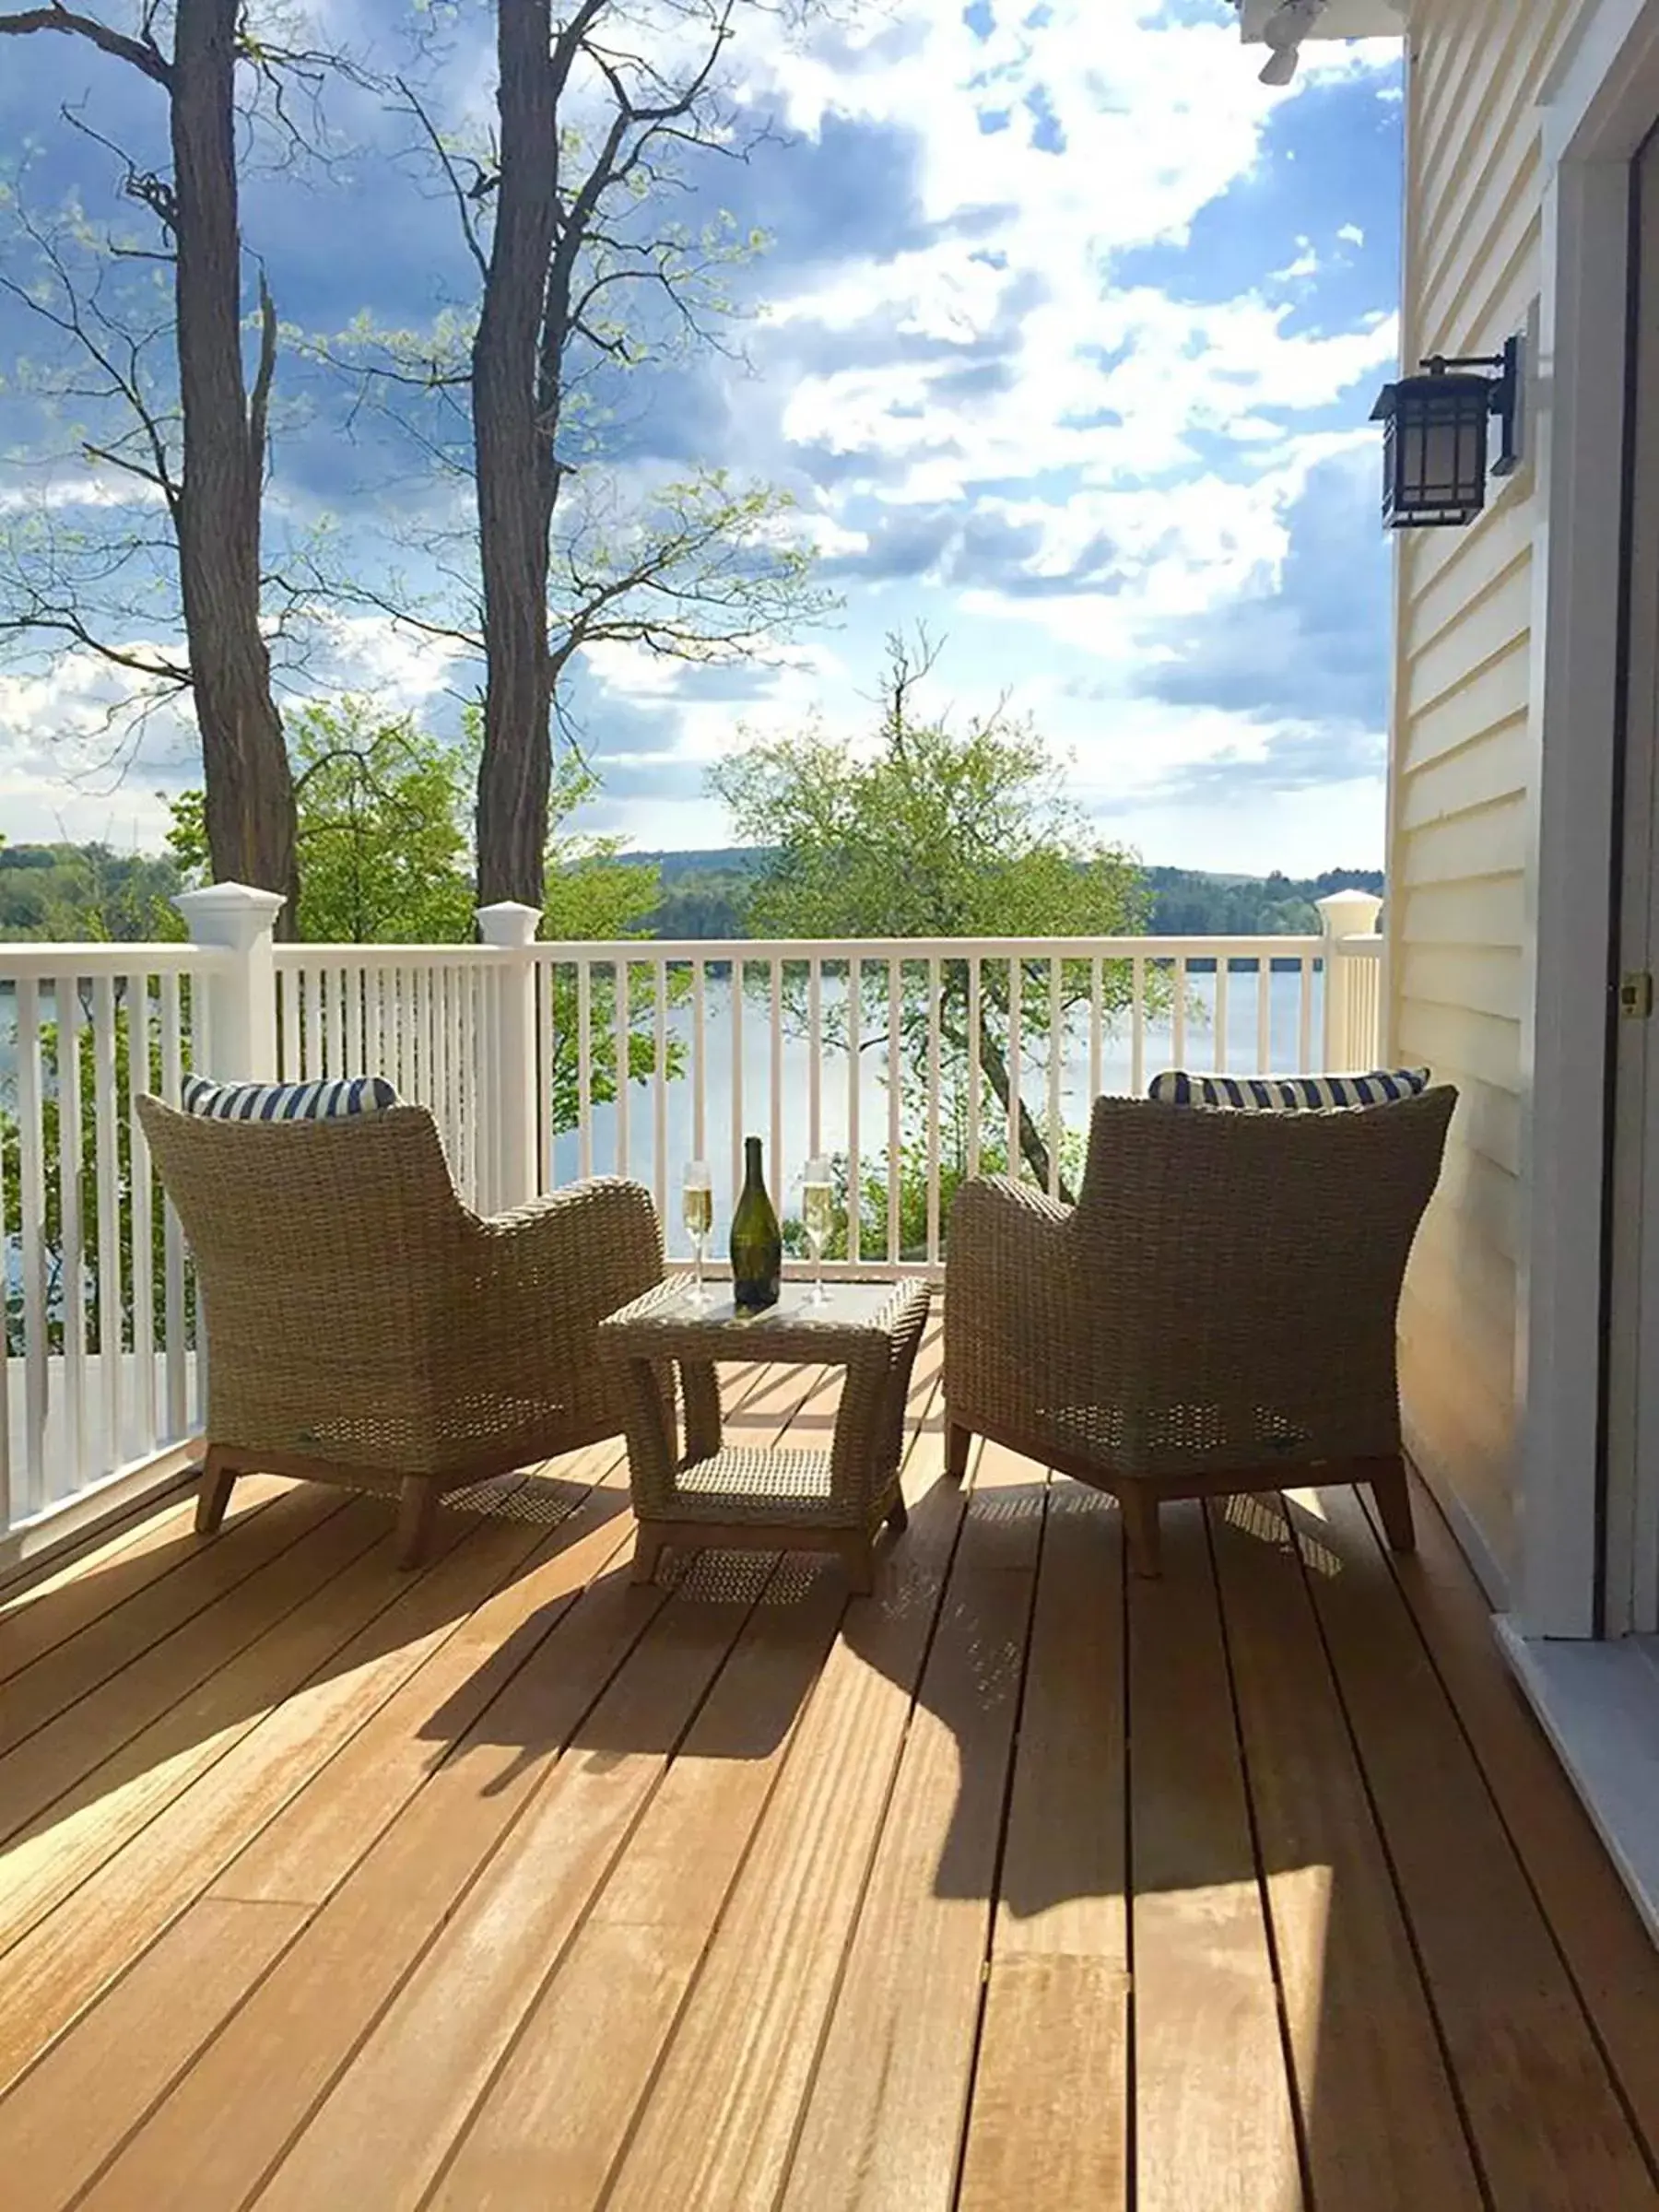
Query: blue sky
[[1063, 344]]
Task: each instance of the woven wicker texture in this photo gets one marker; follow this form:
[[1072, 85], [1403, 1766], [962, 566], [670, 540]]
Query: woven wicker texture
[[872, 1330], [359, 1316], [1223, 1294]]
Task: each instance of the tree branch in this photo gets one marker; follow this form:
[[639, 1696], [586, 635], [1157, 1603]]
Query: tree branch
[[143, 54]]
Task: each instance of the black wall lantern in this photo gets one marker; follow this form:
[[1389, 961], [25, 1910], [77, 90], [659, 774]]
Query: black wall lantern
[[1435, 437]]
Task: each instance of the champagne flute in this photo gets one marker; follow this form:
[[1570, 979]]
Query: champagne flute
[[697, 1210], [817, 1202]]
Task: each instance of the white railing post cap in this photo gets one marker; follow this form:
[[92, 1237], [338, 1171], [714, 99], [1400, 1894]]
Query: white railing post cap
[[1349, 914], [508, 923], [235, 915]]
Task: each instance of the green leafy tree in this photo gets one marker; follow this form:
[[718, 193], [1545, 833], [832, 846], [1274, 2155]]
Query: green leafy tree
[[938, 833], [385, 857]]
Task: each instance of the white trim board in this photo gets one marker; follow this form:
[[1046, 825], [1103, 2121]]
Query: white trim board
[[1598, 1703], [1600, 106]]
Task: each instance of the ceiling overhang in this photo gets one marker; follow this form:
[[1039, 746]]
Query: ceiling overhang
[[1341, 19]]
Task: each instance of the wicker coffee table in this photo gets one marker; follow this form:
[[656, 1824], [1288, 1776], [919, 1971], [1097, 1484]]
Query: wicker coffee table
[[725, 1497]]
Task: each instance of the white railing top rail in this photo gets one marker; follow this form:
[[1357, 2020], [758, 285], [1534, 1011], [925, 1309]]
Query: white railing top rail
[[30, 957], [912, 949], [680, 949]]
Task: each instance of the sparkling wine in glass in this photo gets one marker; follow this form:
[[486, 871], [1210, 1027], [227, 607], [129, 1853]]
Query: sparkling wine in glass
[[817, 1213], [697, 1210]]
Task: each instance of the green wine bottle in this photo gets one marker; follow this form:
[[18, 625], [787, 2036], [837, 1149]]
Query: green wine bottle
[[757, 1246]]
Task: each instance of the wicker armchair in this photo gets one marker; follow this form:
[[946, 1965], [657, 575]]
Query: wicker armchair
[[364, 1327], [1216, 1314]]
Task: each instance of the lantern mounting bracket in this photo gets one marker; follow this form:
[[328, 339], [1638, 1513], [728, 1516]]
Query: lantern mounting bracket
[[1505, 402]]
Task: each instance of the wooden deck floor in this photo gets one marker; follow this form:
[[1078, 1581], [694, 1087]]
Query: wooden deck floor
[[1014, 1886]]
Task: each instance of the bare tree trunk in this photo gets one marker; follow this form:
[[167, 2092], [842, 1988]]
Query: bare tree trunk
[[516, 472], [249, 791]]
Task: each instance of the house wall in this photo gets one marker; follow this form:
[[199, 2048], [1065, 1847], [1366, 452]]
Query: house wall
[[1464, 750]]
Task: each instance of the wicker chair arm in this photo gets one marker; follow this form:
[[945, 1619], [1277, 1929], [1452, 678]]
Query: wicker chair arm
[[568, 1259], [1008, 1255]]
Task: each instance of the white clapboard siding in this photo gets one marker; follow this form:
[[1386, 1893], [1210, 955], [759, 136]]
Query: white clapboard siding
[[1464, 750]]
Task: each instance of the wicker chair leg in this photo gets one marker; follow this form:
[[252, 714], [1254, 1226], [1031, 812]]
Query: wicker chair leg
[[1393, 1493], [956, 1441], [1140, 1527], [214, 1496], [648, 1550], [417, 1518]]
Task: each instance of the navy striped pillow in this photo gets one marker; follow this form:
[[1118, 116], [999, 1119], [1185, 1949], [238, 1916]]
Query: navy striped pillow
[[286, 1101], [1279, 1094]]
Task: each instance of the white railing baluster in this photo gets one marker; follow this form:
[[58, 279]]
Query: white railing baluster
[[546, 1045], [1137, 1023], [1304, 1034], [72, 1259], [11, 1501], [734, 1011], [313, 1023], [1057, 1055], [659, 1136], [699, 1064], [1263, 1017], [142, 1178], [1178, 1024], [1097, 1024], [1016, 1014], [855, 1105], [31, 1092], [472, 1162], [585, 1062], [935, 1103], [107, 1185], [289, 1058], [624, 1029], [1220, 1014], [895, 1233], [975, 1072], [174, 1342], [780, 1166], [815, 1056]]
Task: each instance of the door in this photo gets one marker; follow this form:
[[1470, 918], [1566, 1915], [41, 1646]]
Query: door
[[1630, 1529]]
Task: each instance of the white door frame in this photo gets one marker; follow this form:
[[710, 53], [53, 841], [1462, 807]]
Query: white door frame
[[1600, 105]]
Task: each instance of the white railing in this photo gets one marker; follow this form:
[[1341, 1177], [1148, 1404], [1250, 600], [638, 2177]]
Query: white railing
[[99, 1372], [912, 1063]]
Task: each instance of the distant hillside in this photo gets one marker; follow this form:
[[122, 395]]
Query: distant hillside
[[73, 892], [704, 894]]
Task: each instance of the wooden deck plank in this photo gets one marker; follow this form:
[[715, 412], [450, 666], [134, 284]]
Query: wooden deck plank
[[1214, 2128], [1517, 2036], [233, 2116], [716, 2131], [93, 1733], [553, 2125], [884, 2120], [1053, 2136], [117, 1637], [380, 2136], [86, 1823], [550, 2127], [57, 1602], [422, 1633], [1379, 2121], [1612, 1960], [304, 1854], [60, 2123]]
